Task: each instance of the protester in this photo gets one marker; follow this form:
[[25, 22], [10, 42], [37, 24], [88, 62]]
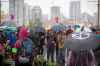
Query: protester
[[12, 38], [61, 39], [56, 43], [50, 46], [71, 60], [2, 53], [24, 43], [68, 34], [42, 42], [26, 46]]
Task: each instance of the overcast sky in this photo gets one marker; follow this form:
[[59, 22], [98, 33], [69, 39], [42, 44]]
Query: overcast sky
[[86, 6]]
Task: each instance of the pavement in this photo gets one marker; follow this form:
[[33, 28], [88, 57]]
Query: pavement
[[45, 54]]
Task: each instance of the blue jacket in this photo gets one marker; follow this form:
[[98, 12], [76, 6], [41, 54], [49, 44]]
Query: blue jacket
[[28, 45], [12, 38]]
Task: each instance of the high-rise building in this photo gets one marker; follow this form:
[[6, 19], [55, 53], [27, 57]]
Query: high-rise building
[[12, 7], [16, 8], [87, 18], [75, 11], [26, 14], [0, 13], [37, 16], [4, 10], [98, 14], [55, 12], [30, 14]]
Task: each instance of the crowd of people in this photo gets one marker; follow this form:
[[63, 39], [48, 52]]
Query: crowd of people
[[25, 47]]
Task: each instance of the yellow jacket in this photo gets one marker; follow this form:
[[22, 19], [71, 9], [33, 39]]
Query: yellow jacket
[[61, 43]]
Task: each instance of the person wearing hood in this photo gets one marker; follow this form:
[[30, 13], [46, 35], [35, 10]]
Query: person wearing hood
[[24, 43], [22, 34], [12, 38], [50, 46], [42, 42]]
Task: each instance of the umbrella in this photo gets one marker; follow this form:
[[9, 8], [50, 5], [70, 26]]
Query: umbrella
[[13, 29], [39, 29], [56, 28], [77, 26], [62, 27], [8, 30], [3, 27], [59, 27], [9, 26], [8, 23]]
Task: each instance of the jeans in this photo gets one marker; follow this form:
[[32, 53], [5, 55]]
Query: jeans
[[61, 55], [50, 53]]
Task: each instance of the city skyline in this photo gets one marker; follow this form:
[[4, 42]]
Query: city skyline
[[75, 10], [87, 7], [64, 5]]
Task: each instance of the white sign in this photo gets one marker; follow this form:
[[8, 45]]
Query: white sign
[[81, 35]]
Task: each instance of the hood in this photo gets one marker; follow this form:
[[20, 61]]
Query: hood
[[23, 33]]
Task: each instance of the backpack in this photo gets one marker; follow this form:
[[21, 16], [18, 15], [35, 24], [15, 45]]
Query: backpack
[[27, 45], [26, 49]]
